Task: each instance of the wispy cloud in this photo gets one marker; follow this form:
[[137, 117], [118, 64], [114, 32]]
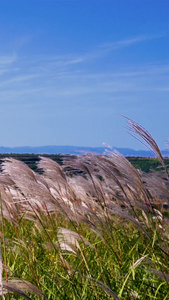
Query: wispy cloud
[[74, 85], [130, 41], [103, 49], [7, 59], [70, 76], [17, 79], [59, 88]]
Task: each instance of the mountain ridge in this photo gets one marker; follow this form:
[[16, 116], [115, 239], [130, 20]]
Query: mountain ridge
[[75, 150]]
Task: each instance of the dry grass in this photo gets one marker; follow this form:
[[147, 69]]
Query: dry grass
[[110, 194]]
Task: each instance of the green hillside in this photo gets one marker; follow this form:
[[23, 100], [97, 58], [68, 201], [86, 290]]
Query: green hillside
[[142, 163]]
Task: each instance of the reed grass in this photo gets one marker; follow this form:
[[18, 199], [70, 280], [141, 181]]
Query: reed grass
[[102, 234]]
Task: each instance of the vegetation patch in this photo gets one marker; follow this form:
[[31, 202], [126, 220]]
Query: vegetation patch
[[91, 227]]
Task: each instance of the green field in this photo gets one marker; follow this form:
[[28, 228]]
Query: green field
[[142, 163]]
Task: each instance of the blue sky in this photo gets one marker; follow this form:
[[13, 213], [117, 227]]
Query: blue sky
[[70, 69]]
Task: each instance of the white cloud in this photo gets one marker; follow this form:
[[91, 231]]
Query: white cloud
[[70, 76], [50, 81], [130, 41], [7, 59], [17, 79]]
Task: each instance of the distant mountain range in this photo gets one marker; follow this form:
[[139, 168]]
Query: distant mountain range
[[75, 150]]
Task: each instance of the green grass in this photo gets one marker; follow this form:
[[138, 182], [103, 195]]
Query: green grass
[[34, 256]]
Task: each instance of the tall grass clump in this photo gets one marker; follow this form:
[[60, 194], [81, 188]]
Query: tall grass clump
[[94, 228]]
